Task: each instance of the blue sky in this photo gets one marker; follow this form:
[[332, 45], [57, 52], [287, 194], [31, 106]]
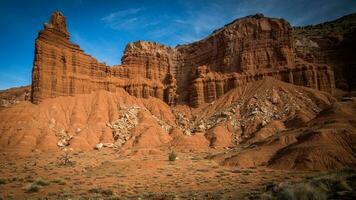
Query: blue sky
[[103, 28]]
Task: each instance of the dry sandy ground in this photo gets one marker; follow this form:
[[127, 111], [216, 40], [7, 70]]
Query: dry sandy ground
[[107, 174]]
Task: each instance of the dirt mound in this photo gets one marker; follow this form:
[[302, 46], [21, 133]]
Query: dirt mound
[[187, 143], [266, 122], [246, 110], [83, 121], [326, 142]]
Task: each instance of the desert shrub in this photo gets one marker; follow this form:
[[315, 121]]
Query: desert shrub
[[66, 159], [36, 185], [98, 190], [328, 185], [172, 156], [41, 182], [107, 192], [32, 187], [2, 181], [95, 190]]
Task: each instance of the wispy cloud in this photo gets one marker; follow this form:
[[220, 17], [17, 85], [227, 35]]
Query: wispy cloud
[[197, 19], [129, 19], [195, 24], [121, 13]]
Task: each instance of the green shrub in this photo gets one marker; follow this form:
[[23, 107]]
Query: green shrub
[[2, 181], [98, 190], [66, 159], [36, 185], [32, 187], [172, 156], [41, 182], [327, 185]]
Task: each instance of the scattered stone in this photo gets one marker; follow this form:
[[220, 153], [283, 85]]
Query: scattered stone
[[62, 143], [98, 146], [121, 127]]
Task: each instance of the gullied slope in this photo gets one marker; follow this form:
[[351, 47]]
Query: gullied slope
[[82, 121], [266, 122], [244, 90], [326, 142], [246, 110]]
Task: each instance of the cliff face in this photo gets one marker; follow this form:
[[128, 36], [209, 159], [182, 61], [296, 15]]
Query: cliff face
[[62, 68], [332, 43], [243, 51]]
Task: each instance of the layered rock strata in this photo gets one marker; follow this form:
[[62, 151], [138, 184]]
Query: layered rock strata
[[61, 68], [243, 51], [332, 43]]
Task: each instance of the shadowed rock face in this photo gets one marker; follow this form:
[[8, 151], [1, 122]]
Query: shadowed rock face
[[243, 51], [332, 43]]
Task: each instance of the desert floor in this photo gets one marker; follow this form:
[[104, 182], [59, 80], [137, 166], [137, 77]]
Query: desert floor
[[107, 174]]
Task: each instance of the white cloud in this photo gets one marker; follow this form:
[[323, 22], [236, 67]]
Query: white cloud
[[198, 23], [120, 14], [129, 19]]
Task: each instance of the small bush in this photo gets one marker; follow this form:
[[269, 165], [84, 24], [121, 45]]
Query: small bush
[[41, 182], [107, 192], [36, 185], [66, 159], [330, 185], [98, 190], [2, 181], [32, 187], [172, 156]]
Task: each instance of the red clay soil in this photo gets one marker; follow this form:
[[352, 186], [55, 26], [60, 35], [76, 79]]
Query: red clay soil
[[326, 142], [267, 122]]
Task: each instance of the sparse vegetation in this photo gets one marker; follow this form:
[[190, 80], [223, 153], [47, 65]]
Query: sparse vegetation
[[66, 159], [98, 190], [41, 182], [2, 181], [32, 187], [332, 185], [59, 181], [36, 185], [172, 156]]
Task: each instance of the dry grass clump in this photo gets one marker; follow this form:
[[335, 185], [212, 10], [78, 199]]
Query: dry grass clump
[[2, 181], [36, 185], [66, 159], [330, 185], [172, 156], [98, 190]]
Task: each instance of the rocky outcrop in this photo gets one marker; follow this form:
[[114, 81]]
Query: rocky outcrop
[[61, 68], [332, 43], [13, 96], [243, 51]]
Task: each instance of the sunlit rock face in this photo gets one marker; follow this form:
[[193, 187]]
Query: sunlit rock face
[[243, 51]]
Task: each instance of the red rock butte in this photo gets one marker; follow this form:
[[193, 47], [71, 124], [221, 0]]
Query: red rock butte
[[243, 51]]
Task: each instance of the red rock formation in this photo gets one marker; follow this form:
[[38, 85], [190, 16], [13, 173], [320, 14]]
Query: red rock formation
[[332, 43], [62, 68], [243, 51]]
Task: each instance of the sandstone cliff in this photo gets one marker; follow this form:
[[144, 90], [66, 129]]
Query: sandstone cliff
[[61, 68], [243, 51], [332, 43]]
